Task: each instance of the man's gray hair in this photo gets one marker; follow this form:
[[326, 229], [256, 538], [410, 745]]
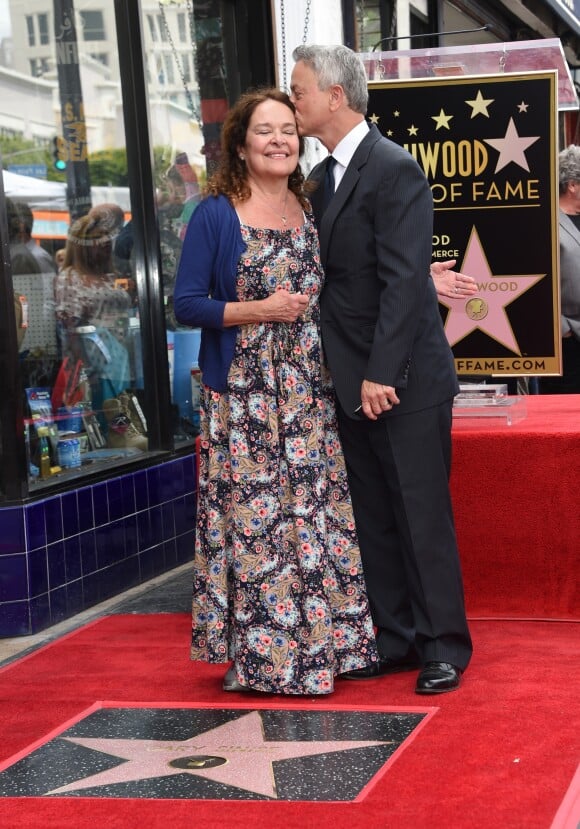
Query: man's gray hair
[[337, 65], [569, 166]]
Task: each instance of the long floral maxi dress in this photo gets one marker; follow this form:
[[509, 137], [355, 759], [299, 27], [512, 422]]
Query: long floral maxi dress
[[278, 581]]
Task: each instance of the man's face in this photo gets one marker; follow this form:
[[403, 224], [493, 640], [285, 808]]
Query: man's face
[[312, 103]]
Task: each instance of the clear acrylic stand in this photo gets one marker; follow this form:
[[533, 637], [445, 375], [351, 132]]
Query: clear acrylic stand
[[505, 409]]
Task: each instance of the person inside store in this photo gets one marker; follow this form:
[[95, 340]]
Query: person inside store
[[392, 370], [278, 582], [23, 263], [59, 256], [92, 310], [22, 215], [569, 236]]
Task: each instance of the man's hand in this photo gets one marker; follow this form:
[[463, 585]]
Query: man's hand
[[376, 399]]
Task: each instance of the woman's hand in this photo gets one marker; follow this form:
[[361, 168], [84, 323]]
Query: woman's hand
[[282, 306], [452, 284]]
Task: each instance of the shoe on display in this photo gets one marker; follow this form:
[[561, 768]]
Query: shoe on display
[[122, 432]]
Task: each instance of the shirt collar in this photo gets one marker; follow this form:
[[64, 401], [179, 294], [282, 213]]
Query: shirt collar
[[346, 147]]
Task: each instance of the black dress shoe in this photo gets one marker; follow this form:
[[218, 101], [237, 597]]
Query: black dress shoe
[[438, 678], [385, 665]]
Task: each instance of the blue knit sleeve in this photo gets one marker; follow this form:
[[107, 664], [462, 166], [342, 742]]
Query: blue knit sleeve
[[196, 273]]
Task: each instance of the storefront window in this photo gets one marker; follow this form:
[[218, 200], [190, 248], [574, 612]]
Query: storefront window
[[90, 320], [187, 86], [69, 213]]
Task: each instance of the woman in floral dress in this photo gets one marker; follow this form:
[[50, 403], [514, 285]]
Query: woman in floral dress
[[278, 581]]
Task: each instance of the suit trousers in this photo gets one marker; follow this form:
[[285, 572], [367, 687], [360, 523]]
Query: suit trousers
[[398, 471]]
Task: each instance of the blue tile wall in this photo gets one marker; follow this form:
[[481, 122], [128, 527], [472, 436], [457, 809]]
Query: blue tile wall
[[61, 555]]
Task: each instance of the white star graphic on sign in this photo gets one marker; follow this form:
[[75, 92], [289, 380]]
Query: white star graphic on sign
[[374, 118], [442, 120], [242, 757], [511, 147], [523, 107], [486, 310], [479, 105]]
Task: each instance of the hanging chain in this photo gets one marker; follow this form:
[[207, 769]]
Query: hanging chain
[[189, 4], [306, 22], [195, 114], [283, 36]]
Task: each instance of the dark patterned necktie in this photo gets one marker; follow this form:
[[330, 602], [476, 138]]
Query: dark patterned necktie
[[329, 180]]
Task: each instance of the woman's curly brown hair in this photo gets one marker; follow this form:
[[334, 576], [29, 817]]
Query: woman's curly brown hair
[[231, 177]]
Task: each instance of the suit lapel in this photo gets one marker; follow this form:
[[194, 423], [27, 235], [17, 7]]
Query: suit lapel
[[349, 181]]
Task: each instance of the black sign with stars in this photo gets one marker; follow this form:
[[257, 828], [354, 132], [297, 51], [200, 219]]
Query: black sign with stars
[[488, 146]]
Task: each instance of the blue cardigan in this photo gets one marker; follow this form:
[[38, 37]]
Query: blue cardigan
[[206, 280]]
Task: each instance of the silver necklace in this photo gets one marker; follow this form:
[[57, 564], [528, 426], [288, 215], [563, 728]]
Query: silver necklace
[[281, 215]]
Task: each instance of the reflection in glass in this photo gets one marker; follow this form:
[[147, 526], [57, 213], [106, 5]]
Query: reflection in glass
[[75, 298], [186, 76], [63, 155]]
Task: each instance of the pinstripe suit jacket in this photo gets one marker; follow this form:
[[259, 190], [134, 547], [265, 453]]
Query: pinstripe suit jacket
[[570, 275], [379, 311]]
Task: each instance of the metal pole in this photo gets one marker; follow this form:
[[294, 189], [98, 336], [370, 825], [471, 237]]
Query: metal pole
[[74, 132]]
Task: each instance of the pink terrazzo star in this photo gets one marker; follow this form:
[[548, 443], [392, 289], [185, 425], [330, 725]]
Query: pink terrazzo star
[[243, 757]]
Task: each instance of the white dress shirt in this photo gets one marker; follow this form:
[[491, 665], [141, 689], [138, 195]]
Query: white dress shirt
[[346, 148]]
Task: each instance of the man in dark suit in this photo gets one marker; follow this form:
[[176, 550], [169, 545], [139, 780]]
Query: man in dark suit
[[392, 369]]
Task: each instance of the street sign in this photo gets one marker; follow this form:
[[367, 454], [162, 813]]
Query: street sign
[[32, 170]]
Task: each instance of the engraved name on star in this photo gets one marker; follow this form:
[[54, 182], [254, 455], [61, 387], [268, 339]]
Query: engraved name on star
[[442, 120], [512, 147], [233, 754], [479, 105], [486, 310]]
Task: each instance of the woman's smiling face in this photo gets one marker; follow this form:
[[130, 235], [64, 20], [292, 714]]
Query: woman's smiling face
[[272, 143]]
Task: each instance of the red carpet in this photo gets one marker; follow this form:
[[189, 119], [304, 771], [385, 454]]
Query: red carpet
[[500, 752]]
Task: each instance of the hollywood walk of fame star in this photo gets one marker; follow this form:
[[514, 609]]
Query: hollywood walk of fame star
[[511, 147], [234, 754], [486, 310], [479, 105], [442, 120]]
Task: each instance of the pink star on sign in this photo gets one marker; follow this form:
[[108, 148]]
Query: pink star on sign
[[486, 309]]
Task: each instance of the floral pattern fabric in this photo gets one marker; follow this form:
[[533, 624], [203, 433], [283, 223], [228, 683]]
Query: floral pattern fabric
[[278, 581]]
